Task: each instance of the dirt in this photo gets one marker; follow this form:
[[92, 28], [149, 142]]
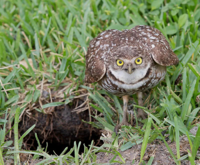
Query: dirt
[[60, 129], [157, 149]]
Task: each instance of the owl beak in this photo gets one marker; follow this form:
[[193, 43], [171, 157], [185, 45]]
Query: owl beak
[[130, 70]]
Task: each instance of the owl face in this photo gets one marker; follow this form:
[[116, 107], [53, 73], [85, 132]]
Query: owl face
[[129, 70], [129, 64]]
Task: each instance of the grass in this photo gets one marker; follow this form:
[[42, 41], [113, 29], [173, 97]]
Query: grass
[[46, 41]]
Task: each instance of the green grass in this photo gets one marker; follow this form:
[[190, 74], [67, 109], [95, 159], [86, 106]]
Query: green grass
[[46, 41]]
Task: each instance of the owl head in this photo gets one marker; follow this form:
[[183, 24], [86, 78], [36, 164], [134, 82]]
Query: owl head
[[129, 64]]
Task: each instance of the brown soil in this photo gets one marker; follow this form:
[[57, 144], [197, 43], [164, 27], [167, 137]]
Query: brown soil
[[158, 151], [60, 128]]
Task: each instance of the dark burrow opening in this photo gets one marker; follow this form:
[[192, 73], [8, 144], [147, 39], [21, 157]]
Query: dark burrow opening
[[55, 147], [59, 129]]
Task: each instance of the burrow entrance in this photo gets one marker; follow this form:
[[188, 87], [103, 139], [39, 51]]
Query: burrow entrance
[[59, 129]]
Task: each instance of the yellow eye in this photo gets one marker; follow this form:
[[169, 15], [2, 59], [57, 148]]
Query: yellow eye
[[120, 62], [138, 61]]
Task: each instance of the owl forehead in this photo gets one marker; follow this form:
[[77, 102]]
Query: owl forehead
[[128, 52]]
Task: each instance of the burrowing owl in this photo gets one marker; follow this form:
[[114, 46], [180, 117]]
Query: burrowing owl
[[128, 62]]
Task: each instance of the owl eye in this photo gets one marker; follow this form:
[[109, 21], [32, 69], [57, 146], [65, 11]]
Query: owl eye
[[120, 62], [138, 61]]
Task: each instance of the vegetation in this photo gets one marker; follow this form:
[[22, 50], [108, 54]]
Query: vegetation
[[46, 41]]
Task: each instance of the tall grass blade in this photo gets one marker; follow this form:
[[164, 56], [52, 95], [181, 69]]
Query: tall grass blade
[[177, 138], [187, 102], [1, 157], [24, 134], [146, 138], [190, 52], [196, 143], [88, 152], [16, 142], [192, 162]]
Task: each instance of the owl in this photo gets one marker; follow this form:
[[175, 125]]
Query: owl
[[128, 62]]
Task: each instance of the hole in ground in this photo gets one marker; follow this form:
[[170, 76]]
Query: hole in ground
[[55, 147], [59, 130]]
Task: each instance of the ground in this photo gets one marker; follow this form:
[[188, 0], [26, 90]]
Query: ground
[[157, 150]]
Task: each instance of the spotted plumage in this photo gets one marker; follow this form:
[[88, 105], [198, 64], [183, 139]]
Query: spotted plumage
[[129, 61]]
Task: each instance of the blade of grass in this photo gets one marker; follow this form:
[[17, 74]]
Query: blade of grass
[[120, 156], [86, 156], [196, 143], [3, 131], [117, 105], [24, 134], [192, 116], [76, 151], [80, 39], [177, 139], [146, 138], [104, 105], [190, 52], [30, 69], [48, 161], [105, 124], [152, 116], [52, 104], [46, 32], [177, 98], [16, 142], [192, 162], [38, 141], [26, 152], [187, 101], [194, 70], [2, 139], [184, 85], [189, 140], [37, 47], [181, 127], [150, 160], [1, 157]]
